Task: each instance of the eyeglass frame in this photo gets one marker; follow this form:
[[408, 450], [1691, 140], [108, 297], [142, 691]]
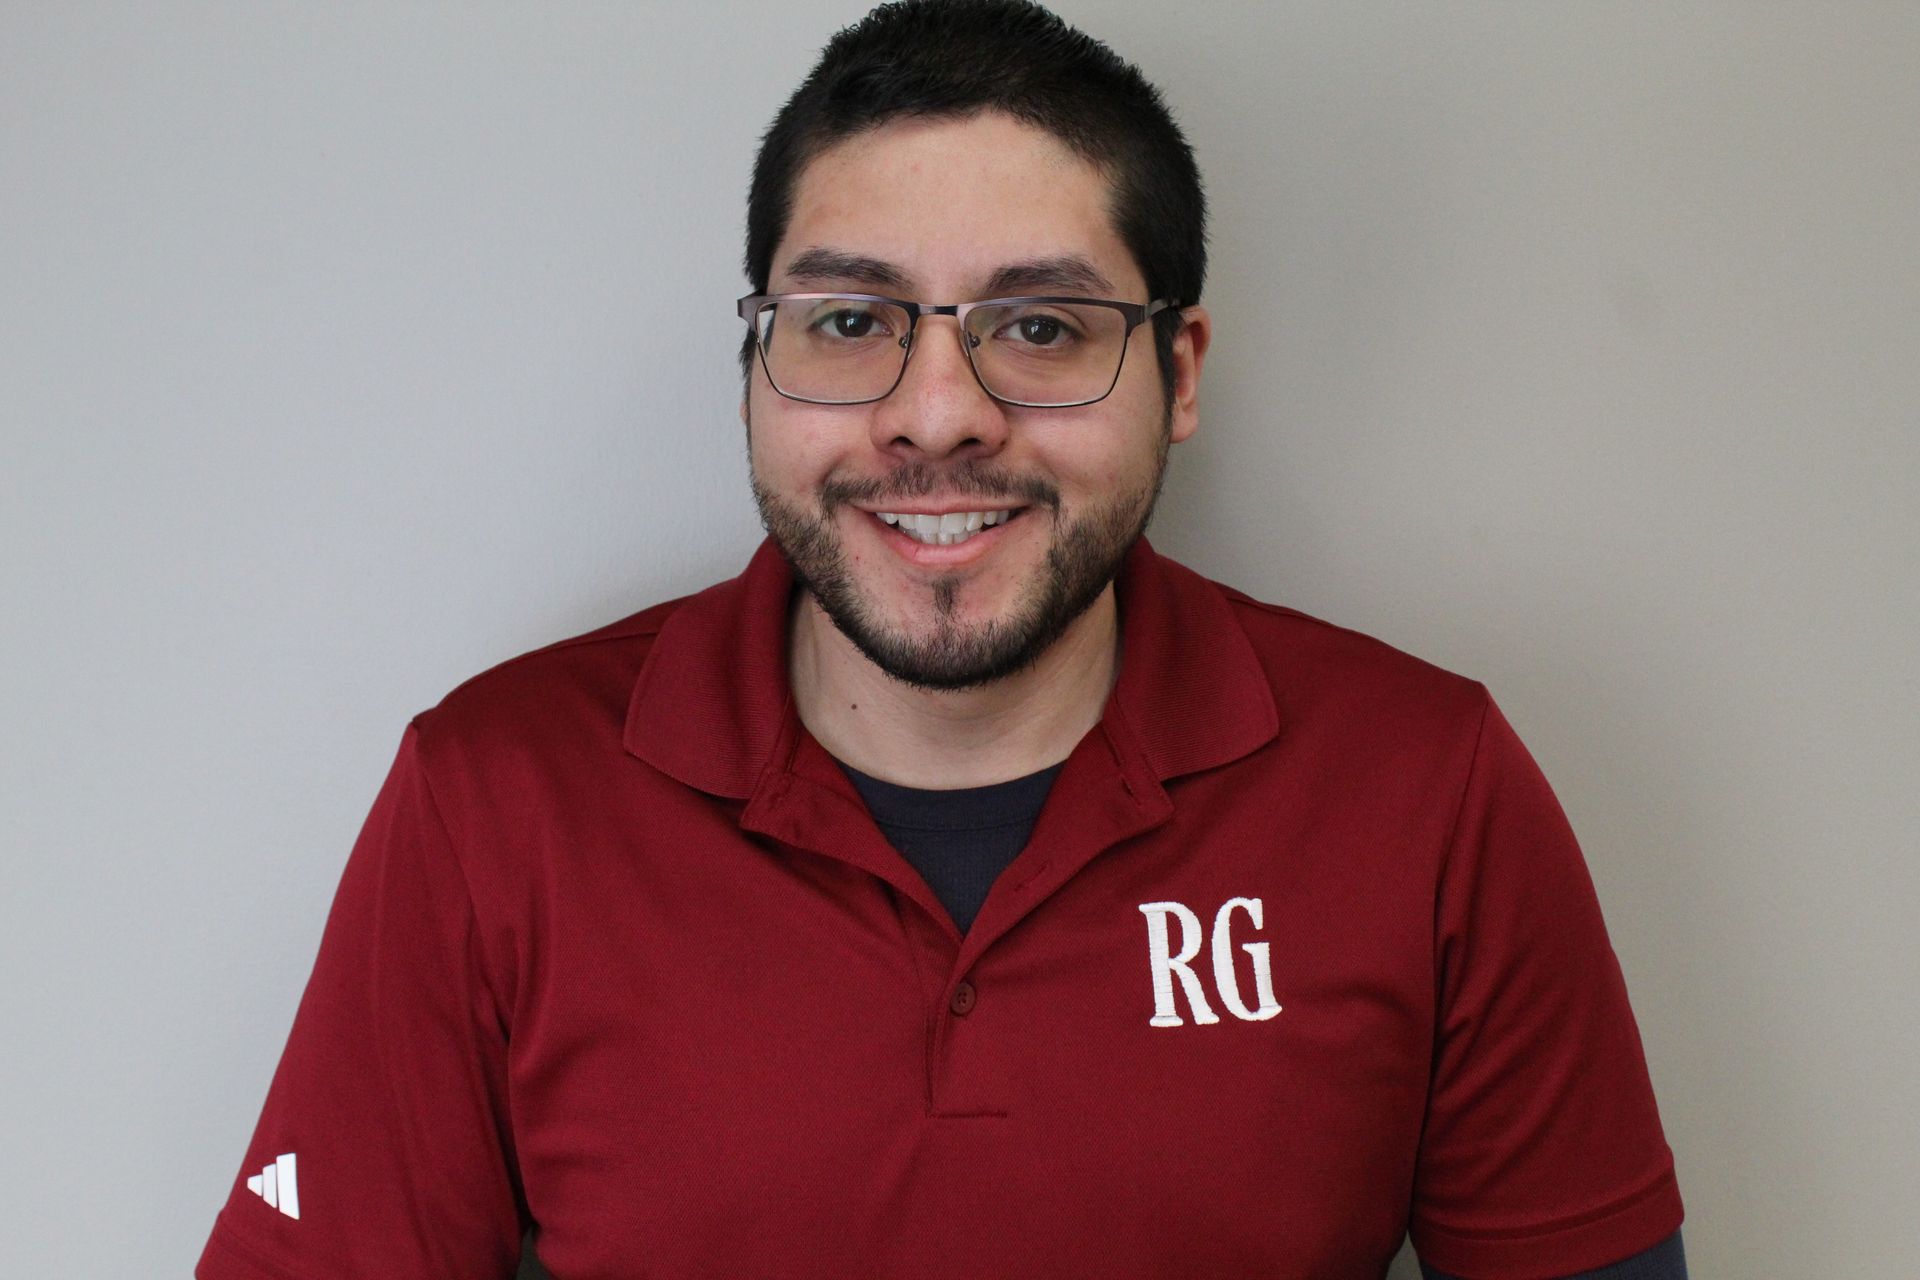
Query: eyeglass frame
[[1135, 314]]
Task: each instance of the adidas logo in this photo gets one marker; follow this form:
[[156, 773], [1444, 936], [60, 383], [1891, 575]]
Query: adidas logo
[[277, 1186]]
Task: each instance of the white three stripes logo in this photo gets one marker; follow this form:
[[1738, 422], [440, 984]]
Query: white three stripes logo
[[277, 1185]]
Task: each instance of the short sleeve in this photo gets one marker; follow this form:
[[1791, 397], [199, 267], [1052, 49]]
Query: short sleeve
[[384, 1147], [1542, 1153]]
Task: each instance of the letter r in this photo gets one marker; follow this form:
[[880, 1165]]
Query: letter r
[[1165, 964]]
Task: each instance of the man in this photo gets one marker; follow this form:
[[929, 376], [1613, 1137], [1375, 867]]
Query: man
[[965, 890]]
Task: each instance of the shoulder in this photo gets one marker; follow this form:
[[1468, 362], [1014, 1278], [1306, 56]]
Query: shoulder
[[574, 689], [1319, 670]]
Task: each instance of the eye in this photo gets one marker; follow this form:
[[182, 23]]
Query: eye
[[848, 321], [1041, 331], [851, 324]]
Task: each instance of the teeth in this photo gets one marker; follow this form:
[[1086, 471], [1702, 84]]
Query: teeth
[[946, 530]]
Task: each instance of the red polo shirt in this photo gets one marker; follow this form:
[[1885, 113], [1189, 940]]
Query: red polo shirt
[[1300, 954]]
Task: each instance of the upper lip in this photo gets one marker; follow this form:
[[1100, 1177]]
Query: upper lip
[[941, 509]]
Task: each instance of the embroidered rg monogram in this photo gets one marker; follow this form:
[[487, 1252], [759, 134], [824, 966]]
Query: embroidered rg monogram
[[1165, 964]]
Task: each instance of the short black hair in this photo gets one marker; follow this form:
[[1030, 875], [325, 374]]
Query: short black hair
[[954, 58]]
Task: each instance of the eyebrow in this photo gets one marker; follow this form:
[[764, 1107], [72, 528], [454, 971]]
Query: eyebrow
[[1067, 272], [834, 266]]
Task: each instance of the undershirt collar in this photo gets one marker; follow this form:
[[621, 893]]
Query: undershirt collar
[[997, 804]]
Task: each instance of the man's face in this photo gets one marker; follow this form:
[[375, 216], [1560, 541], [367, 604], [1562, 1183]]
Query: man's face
[[953, 211]]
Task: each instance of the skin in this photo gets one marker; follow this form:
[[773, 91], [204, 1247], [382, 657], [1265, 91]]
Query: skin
[[946, 205]]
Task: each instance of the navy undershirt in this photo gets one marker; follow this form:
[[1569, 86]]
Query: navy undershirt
[[959, 841]]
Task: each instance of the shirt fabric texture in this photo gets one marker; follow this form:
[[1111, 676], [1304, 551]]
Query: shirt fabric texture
[[1301, 955]]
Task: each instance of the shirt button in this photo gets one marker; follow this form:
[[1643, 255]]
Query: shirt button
[[963, 999]]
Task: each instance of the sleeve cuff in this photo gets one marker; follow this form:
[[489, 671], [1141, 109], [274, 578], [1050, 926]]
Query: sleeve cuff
[[1563, 1247]]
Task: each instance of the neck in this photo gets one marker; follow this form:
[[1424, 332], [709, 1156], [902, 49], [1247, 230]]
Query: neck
[[946, 739]]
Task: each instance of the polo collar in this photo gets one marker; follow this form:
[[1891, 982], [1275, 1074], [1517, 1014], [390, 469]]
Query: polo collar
[[712, 707]]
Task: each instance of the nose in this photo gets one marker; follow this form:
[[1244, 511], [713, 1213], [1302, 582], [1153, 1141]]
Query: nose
[[939, 408]]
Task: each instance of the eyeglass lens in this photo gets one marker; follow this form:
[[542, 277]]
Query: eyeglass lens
[[847, 350]]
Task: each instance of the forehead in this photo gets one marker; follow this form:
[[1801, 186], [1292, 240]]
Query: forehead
[[951, 202]]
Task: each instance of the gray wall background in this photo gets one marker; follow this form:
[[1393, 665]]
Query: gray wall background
[[347, 349]]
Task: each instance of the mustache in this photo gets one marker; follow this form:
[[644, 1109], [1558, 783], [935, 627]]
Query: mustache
[[918, 479]]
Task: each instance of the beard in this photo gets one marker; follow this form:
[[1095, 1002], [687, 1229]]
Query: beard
[[1083, 556]]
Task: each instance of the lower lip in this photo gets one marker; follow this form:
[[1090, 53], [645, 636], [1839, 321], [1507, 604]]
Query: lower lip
[[933, 556]]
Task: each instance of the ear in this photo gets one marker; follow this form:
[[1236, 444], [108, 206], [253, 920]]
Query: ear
[[1189, 354]]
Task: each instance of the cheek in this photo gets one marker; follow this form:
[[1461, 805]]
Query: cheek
[[775, 446], [794, 454], [1118, 457]]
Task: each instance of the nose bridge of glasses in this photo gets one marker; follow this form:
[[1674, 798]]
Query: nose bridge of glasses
[[969, 340]]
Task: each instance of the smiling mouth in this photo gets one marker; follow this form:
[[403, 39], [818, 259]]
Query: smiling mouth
[[949, 529]]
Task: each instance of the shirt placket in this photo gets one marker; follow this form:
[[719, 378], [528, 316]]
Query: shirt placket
[[1104, 795]]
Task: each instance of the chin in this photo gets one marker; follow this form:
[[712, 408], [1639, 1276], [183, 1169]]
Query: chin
[[934, 644]]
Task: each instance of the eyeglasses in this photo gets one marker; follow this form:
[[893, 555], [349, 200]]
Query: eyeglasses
[[852, 348]]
